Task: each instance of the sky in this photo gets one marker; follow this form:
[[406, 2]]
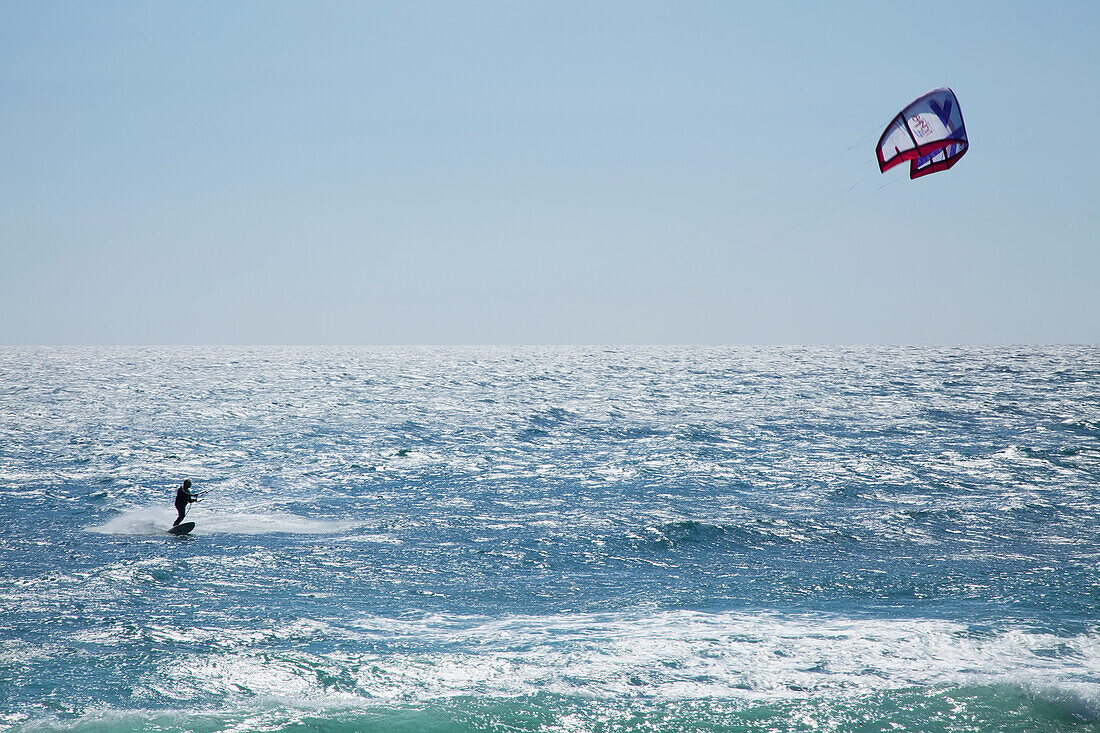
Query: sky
[[543, 173]]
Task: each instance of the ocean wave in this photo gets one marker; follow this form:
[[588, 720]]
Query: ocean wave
[[661, 656], [671, 670], [747, 533], [971, 709]]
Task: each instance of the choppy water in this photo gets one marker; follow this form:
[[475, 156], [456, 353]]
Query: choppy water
[[551, 539]]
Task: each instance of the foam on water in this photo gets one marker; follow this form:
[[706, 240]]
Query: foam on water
[[150, 521], [657, 657], [796, 672]]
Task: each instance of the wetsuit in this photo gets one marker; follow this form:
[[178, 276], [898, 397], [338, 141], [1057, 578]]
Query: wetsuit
[[183, 498]]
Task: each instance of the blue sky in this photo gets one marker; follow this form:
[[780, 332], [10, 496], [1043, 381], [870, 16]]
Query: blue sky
[[499, 173]]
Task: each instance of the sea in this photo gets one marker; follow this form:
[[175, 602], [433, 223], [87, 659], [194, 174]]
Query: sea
[[559, 539]]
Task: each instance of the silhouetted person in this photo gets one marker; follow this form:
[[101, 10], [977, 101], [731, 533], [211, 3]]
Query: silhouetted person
[[183, 498]]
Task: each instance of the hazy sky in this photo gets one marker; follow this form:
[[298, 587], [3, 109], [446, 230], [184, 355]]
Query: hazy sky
[[558, 172]]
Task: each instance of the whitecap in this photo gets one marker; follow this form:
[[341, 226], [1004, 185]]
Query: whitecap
[[665, 655]]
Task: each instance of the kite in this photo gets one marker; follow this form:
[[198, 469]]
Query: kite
[[929, 133]]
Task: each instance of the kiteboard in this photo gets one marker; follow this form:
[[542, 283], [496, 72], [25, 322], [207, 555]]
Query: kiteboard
[[182, 528]]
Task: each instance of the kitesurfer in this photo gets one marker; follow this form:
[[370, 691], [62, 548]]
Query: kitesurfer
[[183, 498]]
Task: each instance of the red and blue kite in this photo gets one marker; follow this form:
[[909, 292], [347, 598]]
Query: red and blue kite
[[929, 133]]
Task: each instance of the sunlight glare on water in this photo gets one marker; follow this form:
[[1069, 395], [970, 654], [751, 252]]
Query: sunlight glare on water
[[551, 538]]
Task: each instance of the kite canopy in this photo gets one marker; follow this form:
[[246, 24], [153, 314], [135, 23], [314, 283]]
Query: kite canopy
[[929, 133]]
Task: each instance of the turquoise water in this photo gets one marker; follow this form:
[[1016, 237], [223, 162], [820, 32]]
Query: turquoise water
[[551, 539]]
